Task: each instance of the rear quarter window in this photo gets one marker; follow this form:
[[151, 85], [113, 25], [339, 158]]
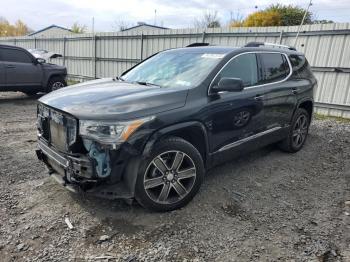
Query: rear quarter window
[[300, 65], [275, 67]]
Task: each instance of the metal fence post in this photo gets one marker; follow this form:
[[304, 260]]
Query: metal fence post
[[64, 51], [141, 53], [35, 42], [95, 55], [14, 41], [203, 36], [281, 36]]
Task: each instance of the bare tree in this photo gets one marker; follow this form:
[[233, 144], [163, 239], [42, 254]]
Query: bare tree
[[121, 25], [236, 19], [208, 20]]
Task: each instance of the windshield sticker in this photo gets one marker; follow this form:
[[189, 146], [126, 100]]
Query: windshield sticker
[[183, 83], [213, 56]]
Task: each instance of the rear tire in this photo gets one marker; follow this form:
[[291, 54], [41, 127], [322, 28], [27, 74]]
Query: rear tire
[[55, 83], [171, 176], [298, 132]]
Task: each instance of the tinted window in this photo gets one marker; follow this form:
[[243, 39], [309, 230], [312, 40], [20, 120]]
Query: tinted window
[[243, 67], [275, 67], [300, 66], [13, 55]]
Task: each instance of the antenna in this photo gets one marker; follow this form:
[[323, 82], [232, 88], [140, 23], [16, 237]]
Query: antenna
[[302, 22]]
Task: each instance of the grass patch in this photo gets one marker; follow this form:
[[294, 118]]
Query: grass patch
[[72, 82], [336, 118]]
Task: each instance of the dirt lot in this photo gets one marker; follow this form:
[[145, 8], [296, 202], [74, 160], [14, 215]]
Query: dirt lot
[[266, 206]]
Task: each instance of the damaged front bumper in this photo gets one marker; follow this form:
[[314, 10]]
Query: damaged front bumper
[[77, 173]]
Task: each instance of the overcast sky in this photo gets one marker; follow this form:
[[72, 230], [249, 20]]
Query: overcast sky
[[170, 13]]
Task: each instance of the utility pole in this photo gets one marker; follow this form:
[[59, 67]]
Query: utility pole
[[302, 22], [93, 26], [155, 16]]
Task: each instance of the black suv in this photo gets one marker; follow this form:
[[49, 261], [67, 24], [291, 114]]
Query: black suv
[[151, 133], [21, 71]]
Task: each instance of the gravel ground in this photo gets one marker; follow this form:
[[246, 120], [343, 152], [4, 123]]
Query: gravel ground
[[265, 206]]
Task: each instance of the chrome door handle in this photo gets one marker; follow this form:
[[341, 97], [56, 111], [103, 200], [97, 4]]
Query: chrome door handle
[[295, 91]]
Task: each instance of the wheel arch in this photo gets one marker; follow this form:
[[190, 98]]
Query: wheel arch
[[308, 105], [193, 132], [49, 77]]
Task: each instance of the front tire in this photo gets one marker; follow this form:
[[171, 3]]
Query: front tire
[[56, 83], [171, 176], [298, 132]]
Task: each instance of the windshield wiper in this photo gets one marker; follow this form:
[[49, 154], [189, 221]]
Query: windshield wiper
[[146, 83]]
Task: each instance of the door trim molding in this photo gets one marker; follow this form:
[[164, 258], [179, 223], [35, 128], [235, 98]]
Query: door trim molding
[[249, 138]]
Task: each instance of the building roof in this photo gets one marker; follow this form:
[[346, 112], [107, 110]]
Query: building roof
[[139, 24], [49, 27]]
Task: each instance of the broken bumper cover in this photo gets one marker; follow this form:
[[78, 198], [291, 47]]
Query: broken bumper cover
[[77, 173]]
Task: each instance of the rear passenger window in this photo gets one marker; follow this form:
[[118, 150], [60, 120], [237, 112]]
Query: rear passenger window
[[275, 67], [243, 67], [13, 55]]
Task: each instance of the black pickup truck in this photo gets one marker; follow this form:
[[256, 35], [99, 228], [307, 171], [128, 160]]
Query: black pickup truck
[[21, 71]]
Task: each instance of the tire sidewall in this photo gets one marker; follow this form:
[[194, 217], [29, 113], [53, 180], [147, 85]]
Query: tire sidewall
[[56, 79], [160, 147], [297, 114]]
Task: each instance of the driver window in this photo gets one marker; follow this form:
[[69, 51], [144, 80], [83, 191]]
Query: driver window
[[244, 67]]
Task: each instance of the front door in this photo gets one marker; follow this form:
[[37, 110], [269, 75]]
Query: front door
[[2, 75], [20, 69], [236, 116]]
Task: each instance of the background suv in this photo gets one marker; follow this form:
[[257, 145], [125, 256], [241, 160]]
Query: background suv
[[21, 71], [151, 133]]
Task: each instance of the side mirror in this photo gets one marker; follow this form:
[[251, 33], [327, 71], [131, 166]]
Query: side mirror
[[40, 60], [229, 85]]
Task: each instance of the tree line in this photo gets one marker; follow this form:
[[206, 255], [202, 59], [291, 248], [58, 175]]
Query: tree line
[[274, 15]]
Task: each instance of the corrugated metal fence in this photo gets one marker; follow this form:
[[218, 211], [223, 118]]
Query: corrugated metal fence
[[327, 48]]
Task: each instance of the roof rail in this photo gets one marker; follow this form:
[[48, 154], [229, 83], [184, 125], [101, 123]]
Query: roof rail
[[258, 44], [197, 44]]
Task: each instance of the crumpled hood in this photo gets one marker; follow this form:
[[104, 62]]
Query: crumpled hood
[[105, 99]]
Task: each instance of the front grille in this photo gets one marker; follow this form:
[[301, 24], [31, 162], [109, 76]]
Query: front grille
[[58, 136], [56, 128]]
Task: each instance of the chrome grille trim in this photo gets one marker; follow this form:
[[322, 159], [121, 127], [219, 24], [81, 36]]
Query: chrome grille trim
[[59, 159]]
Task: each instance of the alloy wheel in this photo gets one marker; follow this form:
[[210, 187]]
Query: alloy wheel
[[300, 130], [57, 85], [169, 177]]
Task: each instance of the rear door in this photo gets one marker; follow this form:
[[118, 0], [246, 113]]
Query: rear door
[[20, 69], [277, 91]]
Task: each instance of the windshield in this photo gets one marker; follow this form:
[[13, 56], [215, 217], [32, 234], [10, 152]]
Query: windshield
[[174, 69]]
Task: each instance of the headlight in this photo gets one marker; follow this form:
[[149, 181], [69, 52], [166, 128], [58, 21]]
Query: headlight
[[108, 132]]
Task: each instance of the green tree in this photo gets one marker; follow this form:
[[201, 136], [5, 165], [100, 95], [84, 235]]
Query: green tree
[[263, 18], [278, 15], [290, 15], [78, 29]]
